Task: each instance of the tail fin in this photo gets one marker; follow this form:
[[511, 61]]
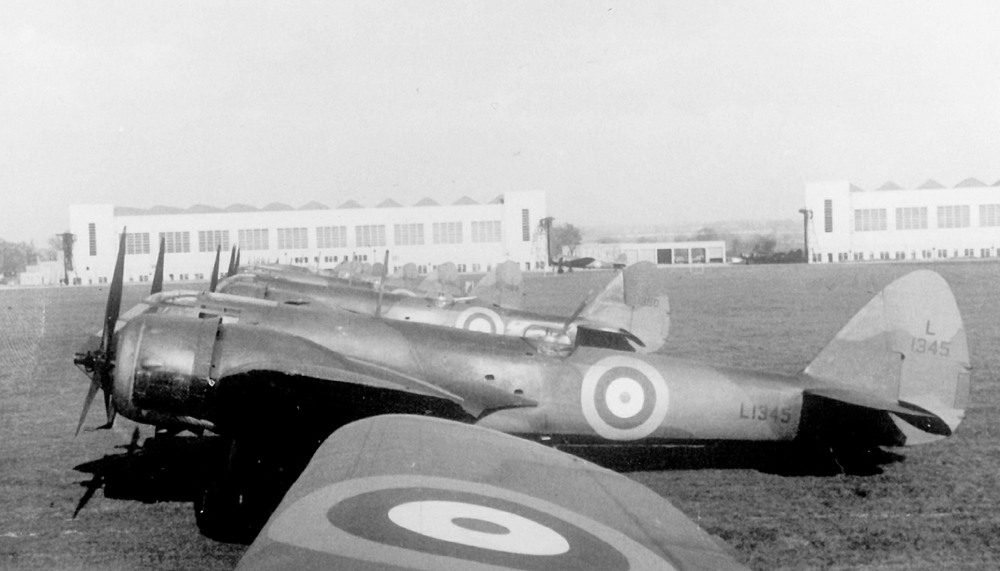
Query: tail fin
[[501, 287], [907, 347], [630, 302], [444, 279]]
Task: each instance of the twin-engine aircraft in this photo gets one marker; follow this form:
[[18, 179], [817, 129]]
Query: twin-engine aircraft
[[627, 313], [274, 377]]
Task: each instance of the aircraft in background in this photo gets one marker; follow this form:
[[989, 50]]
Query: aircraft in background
[[627, 312], [410, 492], [277, 379]]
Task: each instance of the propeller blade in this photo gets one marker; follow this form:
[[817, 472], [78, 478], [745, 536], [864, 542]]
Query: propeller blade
[[236, 268], [215, 269], [232, 263], [158, 273], [109, 407], [114, 300], [381, 285], [91, 392]]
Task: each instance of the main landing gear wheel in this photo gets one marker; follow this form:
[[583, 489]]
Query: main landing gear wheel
[[236, 500]]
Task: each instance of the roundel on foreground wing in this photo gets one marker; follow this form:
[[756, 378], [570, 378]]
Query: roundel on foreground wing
[[433, 523], [481, 319], [624, 398]]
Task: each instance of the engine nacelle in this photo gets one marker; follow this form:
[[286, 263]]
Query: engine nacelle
[[164, 370]]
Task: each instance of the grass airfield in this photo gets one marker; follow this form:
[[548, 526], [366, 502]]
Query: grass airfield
[[930, 507]]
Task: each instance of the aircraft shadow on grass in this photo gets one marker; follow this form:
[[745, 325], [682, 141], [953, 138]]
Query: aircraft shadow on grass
[[169, 469], [780, 459], [166, 469]]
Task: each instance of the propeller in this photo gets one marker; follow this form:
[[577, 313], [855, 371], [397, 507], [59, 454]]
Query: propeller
[[158, 273], [236, 267], [232, 263], [381, 285], [100, 363], [215, 270]]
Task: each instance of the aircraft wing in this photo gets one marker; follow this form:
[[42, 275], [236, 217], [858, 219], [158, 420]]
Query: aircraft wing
[[410, 492]]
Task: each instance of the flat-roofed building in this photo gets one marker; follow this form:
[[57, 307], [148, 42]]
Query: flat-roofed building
[[474, 236], [660, 253], [927, 223]]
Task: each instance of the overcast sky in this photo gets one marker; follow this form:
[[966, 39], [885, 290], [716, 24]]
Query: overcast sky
[[647, 112]]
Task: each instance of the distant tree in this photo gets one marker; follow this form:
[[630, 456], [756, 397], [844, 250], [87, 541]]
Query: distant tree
[[764, 246], [564, 235], [707, 234], [607, 240], [734, 246], [14, 257]]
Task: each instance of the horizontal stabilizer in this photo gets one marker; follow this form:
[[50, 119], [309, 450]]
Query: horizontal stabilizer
[[912, 414]]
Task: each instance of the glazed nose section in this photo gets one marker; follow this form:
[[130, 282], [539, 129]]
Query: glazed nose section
[[164, 366]]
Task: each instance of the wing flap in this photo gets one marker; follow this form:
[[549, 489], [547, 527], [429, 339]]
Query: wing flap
[[413, 492]]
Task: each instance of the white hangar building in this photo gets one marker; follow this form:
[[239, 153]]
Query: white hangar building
[[931, 222], [473, 236]]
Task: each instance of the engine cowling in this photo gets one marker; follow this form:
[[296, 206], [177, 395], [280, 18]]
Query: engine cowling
[[164, 370]]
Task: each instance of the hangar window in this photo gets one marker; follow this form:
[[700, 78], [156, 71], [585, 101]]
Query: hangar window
[[293, 239], [525, 226], [911, 218], [209, 240], [92, 236], [486, 231], [331, 237], [408, 234], [137, 243], [176, 242], [989, 214], [447, 232], [253, 239], [953, 216], [869, 219], [368, 235], [828, 215]]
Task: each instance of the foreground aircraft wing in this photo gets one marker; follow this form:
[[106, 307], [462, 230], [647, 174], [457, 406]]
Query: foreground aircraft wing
[[410, 492]]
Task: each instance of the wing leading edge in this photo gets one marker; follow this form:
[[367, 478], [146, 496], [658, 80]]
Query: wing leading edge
[[415, 492]]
